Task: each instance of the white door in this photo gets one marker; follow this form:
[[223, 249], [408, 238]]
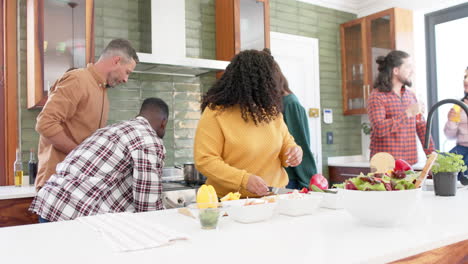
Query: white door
[[299, 61]]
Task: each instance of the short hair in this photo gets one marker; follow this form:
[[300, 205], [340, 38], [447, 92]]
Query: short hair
[[156, 105], [120, 47], [394, 59]]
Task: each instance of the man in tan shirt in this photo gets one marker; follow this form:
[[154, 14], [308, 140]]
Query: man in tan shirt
[[78, 105]]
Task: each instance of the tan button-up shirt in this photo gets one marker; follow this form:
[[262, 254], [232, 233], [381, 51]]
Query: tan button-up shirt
[[77, 105]]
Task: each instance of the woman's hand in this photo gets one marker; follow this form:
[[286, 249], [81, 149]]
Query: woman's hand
[[452, 114], [293, 156], [257, 185]]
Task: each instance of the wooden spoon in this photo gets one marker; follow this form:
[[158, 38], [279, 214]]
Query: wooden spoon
[[430, 161]]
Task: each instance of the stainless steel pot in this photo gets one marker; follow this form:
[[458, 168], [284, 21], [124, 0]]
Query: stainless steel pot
[[192, 176]]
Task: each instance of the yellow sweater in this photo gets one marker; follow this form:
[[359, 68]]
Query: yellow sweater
[[228, 149]]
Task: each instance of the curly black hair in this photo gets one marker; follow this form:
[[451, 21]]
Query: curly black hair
[[250, 82], [386, 64]]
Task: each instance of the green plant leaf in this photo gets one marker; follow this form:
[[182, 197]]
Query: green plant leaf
[[366, 128], [448, 162]]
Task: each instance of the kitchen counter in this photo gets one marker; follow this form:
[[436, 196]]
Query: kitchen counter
[[28, 190], [359, 161], [329, 236], [13, 192], [15, 201]]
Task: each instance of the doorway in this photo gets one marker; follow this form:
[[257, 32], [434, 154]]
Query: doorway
[[299, 62], [447, 59]]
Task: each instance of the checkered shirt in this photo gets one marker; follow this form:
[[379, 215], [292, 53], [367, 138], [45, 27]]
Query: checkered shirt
[[392, 130], [116, 169]]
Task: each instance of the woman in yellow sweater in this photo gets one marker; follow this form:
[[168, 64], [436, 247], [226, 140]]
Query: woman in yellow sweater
[[242, 143]]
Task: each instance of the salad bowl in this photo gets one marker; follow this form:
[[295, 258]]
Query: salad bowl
[[380, 208]]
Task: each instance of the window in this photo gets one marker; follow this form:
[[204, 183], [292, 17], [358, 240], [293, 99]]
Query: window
[[436, 23]]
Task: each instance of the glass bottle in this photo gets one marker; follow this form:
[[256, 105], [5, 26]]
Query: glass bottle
[[32, 167], [18, 168]]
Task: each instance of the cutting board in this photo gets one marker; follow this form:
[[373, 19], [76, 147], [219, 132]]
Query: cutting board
[[382, 162]]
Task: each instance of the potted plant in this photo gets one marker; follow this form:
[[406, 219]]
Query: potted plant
[[366, 131], [445, 172]]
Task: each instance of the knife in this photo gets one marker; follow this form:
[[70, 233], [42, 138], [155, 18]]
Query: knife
[[273, 190]]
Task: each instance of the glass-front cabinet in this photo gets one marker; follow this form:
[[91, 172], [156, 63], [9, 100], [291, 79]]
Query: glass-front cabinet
[[354, 61], [241, 25], [362, 41], [60, 37], [380, 40]]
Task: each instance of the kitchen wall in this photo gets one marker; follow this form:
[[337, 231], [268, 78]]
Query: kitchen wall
[[183, 93], [299, 18]]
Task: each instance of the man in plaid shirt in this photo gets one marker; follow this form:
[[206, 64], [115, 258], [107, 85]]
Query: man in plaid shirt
[[116, 169], [394, 112]]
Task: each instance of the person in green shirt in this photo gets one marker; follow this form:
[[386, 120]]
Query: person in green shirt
[[296, 120]]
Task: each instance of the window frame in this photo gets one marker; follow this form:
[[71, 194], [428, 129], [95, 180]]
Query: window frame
[[431, 20]]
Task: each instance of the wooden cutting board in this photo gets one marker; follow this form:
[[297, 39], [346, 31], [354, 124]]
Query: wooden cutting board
[[425, 171]]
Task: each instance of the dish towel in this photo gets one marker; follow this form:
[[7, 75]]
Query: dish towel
[[129, 231]]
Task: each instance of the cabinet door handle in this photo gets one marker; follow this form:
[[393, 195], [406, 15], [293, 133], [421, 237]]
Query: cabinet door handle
[[366, 95], [349, 175], [363, 95]]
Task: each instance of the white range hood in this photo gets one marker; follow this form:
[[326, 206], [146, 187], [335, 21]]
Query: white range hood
[[168, 55]]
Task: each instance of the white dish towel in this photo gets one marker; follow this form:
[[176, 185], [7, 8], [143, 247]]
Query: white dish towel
[[129, 232]]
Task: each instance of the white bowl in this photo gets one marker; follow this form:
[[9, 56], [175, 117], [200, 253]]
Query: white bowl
[[249, 213], [330, 200], [380, 208], [303, 205]]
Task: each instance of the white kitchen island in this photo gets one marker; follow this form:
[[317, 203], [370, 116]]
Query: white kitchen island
[[329, 236]]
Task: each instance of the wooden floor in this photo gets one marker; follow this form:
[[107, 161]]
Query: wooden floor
[[452, 254]]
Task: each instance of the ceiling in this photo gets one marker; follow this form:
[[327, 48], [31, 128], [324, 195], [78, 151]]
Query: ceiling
[[366, 7]]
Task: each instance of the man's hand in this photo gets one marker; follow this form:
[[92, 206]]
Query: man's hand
[[293, 156], [413, 110], [62, 142], [257, 185]]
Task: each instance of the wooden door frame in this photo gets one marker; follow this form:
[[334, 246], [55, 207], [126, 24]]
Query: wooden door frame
[[9, 92], [2, 100]]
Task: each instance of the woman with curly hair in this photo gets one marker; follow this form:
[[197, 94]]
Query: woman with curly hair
[[242, 143]]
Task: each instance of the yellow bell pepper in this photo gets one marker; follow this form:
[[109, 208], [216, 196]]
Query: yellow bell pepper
[[231, 196], [207, 197]]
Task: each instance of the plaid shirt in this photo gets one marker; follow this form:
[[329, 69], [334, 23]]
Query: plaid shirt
[[392, 130], [116, 169]]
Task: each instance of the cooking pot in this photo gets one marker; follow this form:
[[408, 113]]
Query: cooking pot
[[192, 176]]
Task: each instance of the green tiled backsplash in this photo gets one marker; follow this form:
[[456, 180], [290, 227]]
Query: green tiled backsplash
[[299, 18], [183, 93]]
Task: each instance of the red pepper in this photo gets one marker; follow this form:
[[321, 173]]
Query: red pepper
[[304, 190], [319, 181], [402, 165], [350, 186]]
